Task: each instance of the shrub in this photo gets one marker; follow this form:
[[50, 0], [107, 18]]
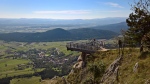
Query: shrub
[[97, 68]]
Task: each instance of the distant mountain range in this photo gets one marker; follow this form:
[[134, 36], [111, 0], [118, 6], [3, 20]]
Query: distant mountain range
[[41, 25], [60, 30], [25, 21], [59, 34], [113, 27]]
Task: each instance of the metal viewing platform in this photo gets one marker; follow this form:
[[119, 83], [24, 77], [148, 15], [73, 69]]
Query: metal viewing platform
[[87, 47]]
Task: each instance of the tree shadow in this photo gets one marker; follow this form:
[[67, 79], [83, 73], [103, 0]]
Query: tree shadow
[[144, 55]]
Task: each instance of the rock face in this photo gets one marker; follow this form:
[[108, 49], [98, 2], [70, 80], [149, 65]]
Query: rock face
[[78, 65], [81, 61], [111, 74]]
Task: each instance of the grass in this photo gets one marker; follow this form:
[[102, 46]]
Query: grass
[[11, 63], [126, 73], [7, 67], [31, 80], [130, 58], [143, 71]]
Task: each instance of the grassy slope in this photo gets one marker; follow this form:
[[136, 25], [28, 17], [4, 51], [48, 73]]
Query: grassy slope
[[130, 58], [126, 74], [126, 69]]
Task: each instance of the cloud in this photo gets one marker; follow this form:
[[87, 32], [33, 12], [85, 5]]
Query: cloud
[[113, 11], [63, 12], [114, 5]]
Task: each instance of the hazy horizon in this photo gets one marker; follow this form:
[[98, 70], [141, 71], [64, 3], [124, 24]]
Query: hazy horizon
[[64, 18]]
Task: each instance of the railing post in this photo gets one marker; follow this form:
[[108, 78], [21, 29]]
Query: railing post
[[70, 45]]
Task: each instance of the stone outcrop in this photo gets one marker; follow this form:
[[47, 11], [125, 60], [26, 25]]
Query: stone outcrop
[[135, 68], [111, 74], [147, 81], [81, 61], [78, 65]]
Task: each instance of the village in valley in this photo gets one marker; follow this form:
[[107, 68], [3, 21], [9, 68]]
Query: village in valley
[[33, 59]]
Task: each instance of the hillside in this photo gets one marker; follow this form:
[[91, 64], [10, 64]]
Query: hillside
[[86, 33], [133, 68], [114, 27], [58, 34]]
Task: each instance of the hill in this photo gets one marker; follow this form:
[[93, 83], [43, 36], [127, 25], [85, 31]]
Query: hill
[[86, 33], [58, 34], [133, 68], [114, 27]]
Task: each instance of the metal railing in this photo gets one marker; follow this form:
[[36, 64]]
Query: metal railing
[[84, 46]]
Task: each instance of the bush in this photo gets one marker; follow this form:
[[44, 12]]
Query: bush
[[97, 68]]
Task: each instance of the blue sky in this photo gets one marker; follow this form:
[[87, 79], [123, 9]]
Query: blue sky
[[64, 9]]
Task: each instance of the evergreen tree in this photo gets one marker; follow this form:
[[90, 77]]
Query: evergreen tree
[[139, 23]]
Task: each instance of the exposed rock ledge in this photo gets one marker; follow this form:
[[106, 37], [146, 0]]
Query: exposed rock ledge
[[111, 74]]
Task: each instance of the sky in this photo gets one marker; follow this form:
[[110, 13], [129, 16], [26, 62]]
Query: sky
[[64, 9]]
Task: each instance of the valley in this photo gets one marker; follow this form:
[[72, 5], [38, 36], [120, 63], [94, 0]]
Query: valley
[[22, 59]]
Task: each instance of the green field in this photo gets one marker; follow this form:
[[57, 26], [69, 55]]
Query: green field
[[16, 46], [7, 67], [31, 80]]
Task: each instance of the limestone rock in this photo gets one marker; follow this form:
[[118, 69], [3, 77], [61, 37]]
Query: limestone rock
[[135, 68], [55, 77], [78, 65], [80, 58], [111, 74], [147, 81]]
